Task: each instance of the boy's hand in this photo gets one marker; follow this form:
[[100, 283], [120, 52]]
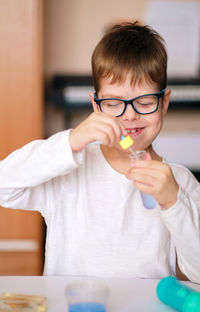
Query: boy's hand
[[155, 178], [97, 127]]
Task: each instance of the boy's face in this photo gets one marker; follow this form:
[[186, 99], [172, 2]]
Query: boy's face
[[142, 128]]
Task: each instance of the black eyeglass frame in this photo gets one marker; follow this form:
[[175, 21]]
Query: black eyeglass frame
[[126, 102]]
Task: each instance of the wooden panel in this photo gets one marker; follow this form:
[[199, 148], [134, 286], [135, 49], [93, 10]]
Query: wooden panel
[[19, 224], [21, 116], [21, 73], [23, 263]]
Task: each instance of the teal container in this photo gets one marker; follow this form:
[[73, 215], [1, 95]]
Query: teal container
[[177, 295]]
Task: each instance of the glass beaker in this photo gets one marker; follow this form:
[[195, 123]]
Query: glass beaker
[[88, 295]]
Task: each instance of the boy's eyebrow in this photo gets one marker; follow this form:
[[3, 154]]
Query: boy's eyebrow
[[109, 95], [112, 96]]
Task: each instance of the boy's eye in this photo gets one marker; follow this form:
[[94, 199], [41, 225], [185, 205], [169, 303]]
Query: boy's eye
[[149, 100], [145, 103], [112, 103]]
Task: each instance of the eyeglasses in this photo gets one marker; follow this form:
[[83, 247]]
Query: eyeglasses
[[144, 104]]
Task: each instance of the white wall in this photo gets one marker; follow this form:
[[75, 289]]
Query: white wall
[[73, 28]]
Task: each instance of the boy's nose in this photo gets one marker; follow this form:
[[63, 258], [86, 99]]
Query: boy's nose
[[130, 113]]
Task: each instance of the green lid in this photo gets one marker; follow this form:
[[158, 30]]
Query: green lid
[[192, 303]]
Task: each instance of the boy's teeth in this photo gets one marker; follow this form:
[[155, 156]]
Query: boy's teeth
[[132, 131]]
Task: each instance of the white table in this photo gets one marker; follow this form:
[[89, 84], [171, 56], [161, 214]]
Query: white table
[[125, 295]]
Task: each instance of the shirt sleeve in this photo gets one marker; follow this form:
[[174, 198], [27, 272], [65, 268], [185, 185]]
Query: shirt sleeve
[[24, 172], [183, 223]]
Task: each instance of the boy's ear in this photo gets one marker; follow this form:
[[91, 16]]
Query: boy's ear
[[166, 100], [94, 104]]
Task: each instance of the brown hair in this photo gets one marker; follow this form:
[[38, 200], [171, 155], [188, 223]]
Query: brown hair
[[130, 48]]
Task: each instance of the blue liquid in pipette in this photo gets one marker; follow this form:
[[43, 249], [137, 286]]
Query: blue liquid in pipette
[[87, 307]]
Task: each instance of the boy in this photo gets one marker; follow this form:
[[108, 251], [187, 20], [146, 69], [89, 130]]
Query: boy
[[89, 193]]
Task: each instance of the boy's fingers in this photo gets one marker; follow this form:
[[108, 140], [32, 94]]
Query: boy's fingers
[[123, 130], [118, 128], [149, 164], [115, 126]]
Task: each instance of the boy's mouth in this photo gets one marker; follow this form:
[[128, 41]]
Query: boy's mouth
[[134, 131]]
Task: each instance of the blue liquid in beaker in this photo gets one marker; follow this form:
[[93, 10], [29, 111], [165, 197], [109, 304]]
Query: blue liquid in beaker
[[87, 307]]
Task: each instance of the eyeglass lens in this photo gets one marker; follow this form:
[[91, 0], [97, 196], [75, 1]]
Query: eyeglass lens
[[143, 105]]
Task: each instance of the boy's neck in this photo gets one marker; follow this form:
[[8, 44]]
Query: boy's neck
[[119, 160], [153, 154]]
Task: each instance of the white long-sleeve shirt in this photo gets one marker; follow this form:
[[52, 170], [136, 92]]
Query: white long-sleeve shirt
[[96, 223]]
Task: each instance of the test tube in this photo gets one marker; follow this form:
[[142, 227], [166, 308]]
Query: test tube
[[148, 201]]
